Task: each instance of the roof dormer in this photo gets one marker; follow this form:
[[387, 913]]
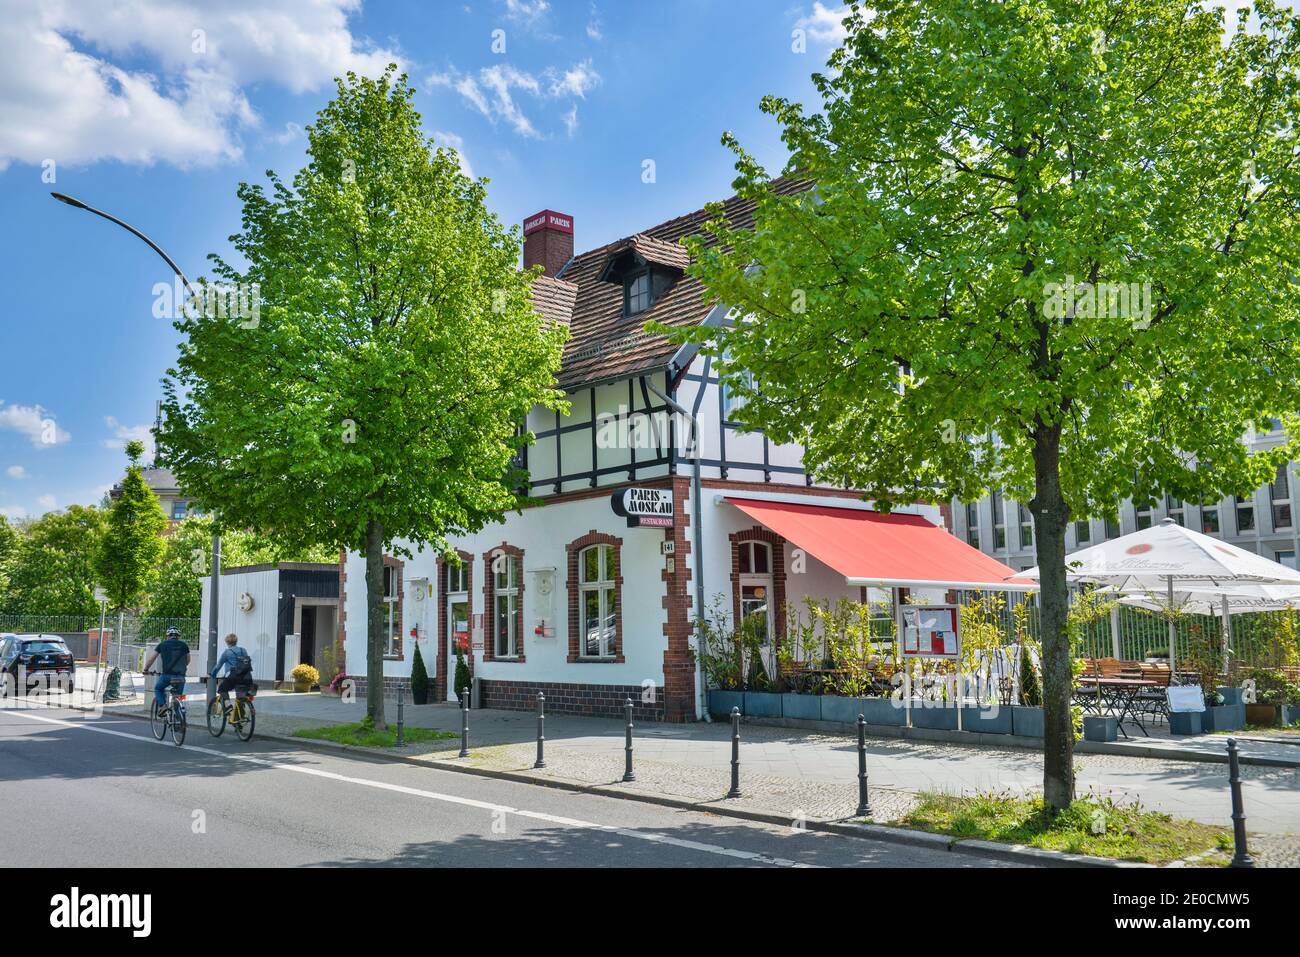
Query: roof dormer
[[646, 268]]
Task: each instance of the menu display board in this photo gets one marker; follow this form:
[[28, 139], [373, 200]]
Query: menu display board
[[931, 631]]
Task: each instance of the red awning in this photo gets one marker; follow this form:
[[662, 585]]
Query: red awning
[[887, 551]]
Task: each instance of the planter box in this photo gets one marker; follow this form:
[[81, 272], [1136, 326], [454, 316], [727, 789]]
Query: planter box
[[805, 706], [843, 710], [721, 702], [761, 704], [1100, 727], [1226, 717], [1290, 714], [986, 720], [1185, 722], [1262, 715], [937, 718], [1231, 695], [1026, 721], [885, 711]]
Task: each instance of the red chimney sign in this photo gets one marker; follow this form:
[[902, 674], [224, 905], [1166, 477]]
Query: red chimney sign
[[548, 219]]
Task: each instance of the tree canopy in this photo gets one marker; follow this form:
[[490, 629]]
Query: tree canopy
[[132, 545], [1050, 248]]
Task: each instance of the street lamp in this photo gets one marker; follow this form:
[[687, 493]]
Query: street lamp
[[214, 591]]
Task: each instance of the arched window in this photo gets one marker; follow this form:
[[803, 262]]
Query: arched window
[[597, 602]]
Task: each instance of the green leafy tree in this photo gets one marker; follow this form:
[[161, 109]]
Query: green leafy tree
[[52, 571], [176, 591], [9, 540], [377, 397], [132, 544], [1050, 249]]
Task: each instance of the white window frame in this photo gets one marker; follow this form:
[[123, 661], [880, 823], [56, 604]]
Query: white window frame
[[510, 592], [604, 586], [1276, 501], [392, 626]]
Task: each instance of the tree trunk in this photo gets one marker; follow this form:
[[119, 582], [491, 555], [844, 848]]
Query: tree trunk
[[377, 636], [1051, 516]]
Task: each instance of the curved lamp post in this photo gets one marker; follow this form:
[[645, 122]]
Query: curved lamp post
[[214, 591]]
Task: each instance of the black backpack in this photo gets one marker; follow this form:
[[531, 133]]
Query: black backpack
[[242, 670]]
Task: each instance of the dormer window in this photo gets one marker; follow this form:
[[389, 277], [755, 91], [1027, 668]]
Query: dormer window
[[636, 293], [646, 268]]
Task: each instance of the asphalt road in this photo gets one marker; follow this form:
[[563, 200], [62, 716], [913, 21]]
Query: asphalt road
[[100, 791]]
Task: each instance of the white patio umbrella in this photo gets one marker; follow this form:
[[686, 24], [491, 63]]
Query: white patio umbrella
[[1167, 558]]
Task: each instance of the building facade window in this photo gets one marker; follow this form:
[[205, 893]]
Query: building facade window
[[178, 509], [1287, 558], [1281, 498], [973, 524], [758, 590], [503, 600], [1026, 526], [999, 519], [1082, 532], [1142, 515], [595, 585], [392, 612], [1210, 519], [1112, 529], [1245, 514], [1175, 509], [637, 292]]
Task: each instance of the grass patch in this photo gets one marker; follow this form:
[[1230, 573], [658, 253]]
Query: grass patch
[[363, 734], [1259, 728], [1090, 825]]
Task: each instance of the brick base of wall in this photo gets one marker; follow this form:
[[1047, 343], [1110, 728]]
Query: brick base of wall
[[604, 701], [390, 686]]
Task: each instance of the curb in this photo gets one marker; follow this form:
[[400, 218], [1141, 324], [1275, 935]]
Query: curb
[[1015, 853]]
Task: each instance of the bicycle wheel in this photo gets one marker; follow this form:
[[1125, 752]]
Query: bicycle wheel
[[178, 724], [157, 720], [245, 727], [216, 718]]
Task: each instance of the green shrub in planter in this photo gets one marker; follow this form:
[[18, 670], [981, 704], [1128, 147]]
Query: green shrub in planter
[[419, 679], [463, 679], [1031, 692]]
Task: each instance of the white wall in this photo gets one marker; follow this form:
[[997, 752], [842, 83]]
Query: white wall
[[256, 627], [542, 533]]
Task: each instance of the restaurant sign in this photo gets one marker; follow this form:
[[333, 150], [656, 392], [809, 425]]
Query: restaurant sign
[[644, 507]]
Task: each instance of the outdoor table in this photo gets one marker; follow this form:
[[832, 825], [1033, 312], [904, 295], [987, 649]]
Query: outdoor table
[[1118, 695]]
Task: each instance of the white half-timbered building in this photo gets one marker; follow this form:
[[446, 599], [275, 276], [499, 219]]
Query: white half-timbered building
[[591, 595]]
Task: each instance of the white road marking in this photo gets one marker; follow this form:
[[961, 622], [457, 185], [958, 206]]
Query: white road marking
[[650, 836]]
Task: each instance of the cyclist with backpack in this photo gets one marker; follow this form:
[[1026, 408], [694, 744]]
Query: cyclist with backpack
[[239, 668]]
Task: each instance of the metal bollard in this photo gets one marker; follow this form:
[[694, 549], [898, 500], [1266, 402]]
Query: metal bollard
[[864, 805], [401, 721], [627, 747], [735, 754], [1241, 855], [464, 723], [541, 731]]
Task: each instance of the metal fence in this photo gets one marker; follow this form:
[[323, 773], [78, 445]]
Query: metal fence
[[135, 629]]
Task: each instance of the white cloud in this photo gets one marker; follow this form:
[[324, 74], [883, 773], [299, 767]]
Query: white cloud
[[46, 502], [123, 434], [571, 120], [292, 131], [16, 472], [526, 11], [13, 512], [146, 81], [35, 422], [575, 81], [594, 26], [823, 24], [495, 91]]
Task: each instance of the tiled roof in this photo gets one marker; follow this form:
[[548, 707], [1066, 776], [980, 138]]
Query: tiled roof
[[603, 343], [554, 299]]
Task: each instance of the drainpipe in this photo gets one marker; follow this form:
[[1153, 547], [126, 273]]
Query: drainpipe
[[697, 539]]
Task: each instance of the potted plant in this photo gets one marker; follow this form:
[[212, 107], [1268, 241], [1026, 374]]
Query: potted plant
[[462, 677], [1207, 657], [304, 676], [1027, 714], [419, 679]]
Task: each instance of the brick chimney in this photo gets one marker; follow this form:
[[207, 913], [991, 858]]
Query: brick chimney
[[548, 241]]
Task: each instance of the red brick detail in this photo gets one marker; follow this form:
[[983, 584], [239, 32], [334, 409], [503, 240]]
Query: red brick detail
[[606, 701], [679, 661], [489, 611], [442, 681], [574, 549]]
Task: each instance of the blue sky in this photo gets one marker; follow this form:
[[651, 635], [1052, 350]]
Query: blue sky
[[155, 113]]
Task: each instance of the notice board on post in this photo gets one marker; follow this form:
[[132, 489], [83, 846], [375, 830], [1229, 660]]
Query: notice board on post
[[931, 631]]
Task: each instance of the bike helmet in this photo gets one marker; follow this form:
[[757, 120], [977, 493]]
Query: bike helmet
[[173, 632]]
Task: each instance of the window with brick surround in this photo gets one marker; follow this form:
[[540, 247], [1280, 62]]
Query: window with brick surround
[[505, 606], [595, 589], [392, 614]]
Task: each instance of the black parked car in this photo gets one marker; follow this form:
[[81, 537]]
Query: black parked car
[[35, 661]]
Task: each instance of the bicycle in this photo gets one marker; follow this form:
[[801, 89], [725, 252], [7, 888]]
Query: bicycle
[[171, 717], [239, 712]]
